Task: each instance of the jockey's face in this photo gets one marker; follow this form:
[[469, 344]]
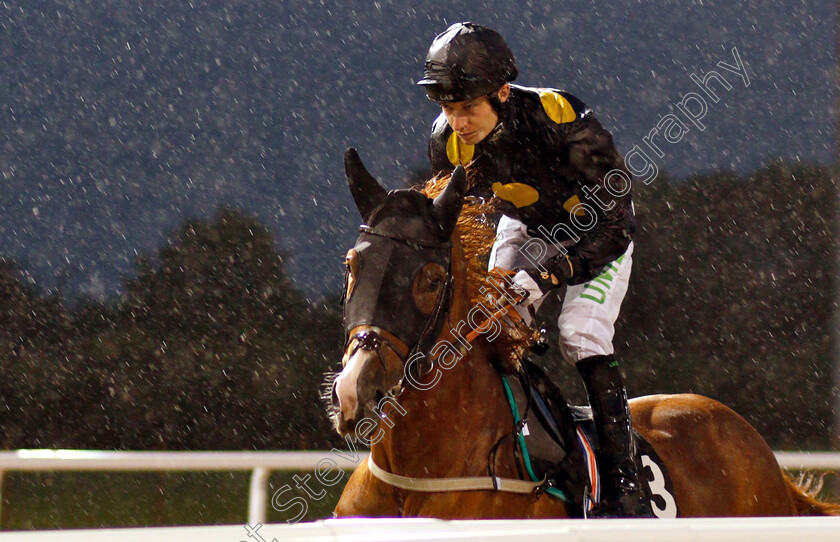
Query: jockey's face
[[473, 120]]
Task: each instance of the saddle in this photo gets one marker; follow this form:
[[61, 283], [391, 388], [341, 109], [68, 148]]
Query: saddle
[[557, 442]]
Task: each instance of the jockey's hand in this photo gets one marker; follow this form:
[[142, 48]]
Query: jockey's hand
[[533, 282], [521, 290], [551, 274], [504, 295], [521, 286], [505, 291], [533, 291]]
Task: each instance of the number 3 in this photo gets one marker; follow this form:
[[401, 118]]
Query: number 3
[[657, 487]]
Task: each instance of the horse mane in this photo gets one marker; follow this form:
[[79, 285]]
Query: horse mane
[[475, 233]]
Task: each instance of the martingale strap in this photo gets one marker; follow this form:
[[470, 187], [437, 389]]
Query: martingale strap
[[434, 485]]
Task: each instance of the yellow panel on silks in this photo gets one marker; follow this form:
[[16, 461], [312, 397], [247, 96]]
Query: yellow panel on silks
[[556, 106], [458, 152], [573, 204], [521, 195]]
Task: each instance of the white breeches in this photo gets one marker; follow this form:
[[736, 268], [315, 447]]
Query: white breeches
[[587, 319]]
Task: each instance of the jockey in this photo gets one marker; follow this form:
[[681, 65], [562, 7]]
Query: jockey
[[567, 217]]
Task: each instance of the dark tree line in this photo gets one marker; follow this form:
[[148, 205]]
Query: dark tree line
[[213, 347], [731, 296]]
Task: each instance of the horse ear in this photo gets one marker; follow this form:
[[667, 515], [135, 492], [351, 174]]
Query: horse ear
[[447, 206], [367, 193]]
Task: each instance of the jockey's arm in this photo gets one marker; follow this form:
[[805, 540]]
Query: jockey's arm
[[605, 185]]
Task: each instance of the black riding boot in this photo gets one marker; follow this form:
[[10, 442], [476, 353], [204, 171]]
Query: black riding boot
[[621, 490]]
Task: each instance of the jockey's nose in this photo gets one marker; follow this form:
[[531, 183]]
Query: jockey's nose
[[460, 122]]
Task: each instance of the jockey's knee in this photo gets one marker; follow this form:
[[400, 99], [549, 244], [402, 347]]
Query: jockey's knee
[[576, 345], [568, 343]]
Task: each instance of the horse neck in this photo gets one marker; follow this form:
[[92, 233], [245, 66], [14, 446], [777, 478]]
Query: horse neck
[[452, 425], [448, 430]]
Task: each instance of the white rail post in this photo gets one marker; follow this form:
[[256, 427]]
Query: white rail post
[[258, 495], [2, 475]]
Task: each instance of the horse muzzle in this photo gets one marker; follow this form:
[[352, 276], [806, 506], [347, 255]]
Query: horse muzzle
[[367, 375]]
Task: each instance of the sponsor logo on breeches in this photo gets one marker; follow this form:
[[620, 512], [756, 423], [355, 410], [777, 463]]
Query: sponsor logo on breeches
[[597, 288]]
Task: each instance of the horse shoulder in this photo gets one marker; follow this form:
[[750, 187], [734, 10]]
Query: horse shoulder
[[366, 496]]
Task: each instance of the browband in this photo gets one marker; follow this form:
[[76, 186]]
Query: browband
[[428, 244]]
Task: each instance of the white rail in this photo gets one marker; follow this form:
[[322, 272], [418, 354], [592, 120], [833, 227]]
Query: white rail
[[259, 463], [404, 530], [47, 460], [809, 460], [648, 530]]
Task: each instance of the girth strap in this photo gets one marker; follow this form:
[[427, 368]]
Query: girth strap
[[479, 483]]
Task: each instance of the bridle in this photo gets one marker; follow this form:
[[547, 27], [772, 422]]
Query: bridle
[[373, 341]]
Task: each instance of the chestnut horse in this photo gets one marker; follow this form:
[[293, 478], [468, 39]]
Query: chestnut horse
[[408, 292]]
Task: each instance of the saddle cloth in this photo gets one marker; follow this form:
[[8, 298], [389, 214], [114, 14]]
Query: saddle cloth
[[558, 441]]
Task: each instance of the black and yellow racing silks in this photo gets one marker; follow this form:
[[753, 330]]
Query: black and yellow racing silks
[[549, 161]]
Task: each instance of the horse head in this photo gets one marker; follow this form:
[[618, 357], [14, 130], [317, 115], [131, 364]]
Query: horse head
[[398, 288]]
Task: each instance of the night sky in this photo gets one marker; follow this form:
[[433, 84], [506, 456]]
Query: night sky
[[121, 120]]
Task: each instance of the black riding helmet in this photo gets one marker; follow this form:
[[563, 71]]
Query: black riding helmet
[[467, 61]]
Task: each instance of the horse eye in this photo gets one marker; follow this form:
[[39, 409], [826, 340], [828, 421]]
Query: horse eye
[[426, 286], [351, 262]]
